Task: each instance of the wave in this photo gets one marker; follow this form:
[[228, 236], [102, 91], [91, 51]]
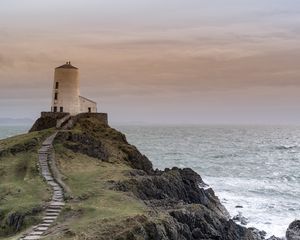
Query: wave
[[282, 147]]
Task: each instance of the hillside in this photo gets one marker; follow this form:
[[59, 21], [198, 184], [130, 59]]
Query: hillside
[[113, 191]]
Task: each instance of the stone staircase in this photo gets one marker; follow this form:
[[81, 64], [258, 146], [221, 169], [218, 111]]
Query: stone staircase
[[63, 121], [56, 204]]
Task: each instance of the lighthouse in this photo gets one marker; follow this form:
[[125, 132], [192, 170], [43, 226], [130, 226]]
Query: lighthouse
[[66, 92]]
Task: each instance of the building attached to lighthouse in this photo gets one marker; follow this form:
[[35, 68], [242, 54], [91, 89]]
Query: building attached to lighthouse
[[66, 92]]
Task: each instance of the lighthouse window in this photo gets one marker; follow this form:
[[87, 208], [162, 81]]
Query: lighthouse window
[[56, 85], [61, 109], [55, 96]]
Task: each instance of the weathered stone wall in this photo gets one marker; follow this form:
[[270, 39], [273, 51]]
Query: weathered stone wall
[[100, 116], [49, 120], [56, 115]]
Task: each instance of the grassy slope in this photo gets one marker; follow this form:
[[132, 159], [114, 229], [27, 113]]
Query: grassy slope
[[94, 209], [94, 206], [21, 187]]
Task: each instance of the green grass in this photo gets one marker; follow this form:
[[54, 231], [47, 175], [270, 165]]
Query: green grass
[[23, 142], [21, 188], [94, 205]]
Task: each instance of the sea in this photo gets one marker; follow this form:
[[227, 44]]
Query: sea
[[254, 170]]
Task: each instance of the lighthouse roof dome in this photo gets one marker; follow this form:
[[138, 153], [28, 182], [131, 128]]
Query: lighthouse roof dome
[[67, 65]]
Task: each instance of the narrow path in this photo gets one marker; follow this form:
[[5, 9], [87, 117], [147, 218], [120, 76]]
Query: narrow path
[[55, 206]]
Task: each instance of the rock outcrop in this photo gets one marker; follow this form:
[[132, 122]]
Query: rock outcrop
[[293, 231]]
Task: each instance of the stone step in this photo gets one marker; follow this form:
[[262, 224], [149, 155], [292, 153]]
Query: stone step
[[31, 237], [53, 184], [50, 218], [44, 225], [58, 195], [48, 178], [57, 190], [48, 221], [42, 228], [52, 214], [36, 232], [55, 207], [57, 204], [53, 210]]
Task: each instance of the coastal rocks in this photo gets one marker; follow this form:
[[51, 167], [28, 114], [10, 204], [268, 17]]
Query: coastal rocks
[[136, 159], [191, 223], [259, 235], [240, 219], [174, 185], [193, 212], [275, 238], [293, 231]]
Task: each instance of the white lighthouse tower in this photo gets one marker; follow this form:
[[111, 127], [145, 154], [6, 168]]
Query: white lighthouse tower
[[66, 94]]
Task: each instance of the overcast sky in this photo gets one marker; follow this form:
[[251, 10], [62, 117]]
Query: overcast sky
[[156, 61]]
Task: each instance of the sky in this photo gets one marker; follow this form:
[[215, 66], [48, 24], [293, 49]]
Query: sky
[[154, 61]]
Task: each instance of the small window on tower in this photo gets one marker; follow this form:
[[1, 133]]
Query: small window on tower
[[54, 109], [55, 96], [61, 109], [56, 85]]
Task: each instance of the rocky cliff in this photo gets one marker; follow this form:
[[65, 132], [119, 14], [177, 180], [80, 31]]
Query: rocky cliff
[[116, 194]]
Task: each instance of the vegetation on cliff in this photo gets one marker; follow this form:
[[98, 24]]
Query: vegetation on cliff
[[116, 194]]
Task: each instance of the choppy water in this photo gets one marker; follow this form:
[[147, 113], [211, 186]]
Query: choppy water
[[257, 167]]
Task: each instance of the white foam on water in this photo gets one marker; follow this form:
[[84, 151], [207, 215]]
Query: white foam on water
[[264, 212]]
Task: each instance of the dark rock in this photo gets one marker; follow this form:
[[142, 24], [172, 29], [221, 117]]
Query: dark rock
[[259, 235], [15, 221], [274, 238], [178, 185], [85, 144], [293, 231], [241, 219]]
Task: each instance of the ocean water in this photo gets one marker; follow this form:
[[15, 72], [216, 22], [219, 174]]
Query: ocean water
[[9, 131], [256, 167]]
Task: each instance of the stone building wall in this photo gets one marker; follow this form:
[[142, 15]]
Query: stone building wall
[[87, 105]]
